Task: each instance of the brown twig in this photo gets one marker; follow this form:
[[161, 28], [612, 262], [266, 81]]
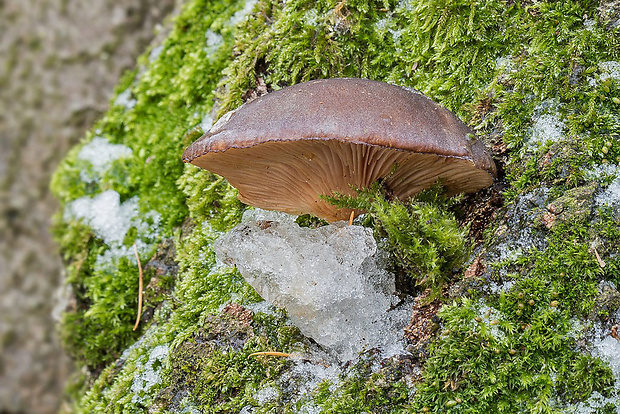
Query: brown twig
[[351, 217], [600, 261], [135, 249]]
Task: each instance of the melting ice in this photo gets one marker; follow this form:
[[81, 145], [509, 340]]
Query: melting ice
[[329, 279]]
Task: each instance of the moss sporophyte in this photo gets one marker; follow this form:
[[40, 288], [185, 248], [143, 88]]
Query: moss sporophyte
[[524, 318]]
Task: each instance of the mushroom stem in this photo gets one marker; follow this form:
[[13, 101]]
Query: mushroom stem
[[135, 249]]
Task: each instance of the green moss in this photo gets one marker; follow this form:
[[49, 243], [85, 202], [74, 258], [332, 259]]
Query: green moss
[[519, 354], [366, 390], [211, 198], [488, 360], [427, 45], [124, 387], [423, 236], [203, 287], [213, 369]]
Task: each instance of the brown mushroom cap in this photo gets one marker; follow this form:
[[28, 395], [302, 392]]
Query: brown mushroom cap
[[285, 149]]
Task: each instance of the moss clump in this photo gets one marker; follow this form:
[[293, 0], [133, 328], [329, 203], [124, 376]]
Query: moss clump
[[440, 47], [516, 351], [491, 360], [422, 235], [367, 390], [213, 372], [570, 268]]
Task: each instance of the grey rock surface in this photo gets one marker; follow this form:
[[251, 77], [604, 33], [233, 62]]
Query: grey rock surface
[[59, 62]]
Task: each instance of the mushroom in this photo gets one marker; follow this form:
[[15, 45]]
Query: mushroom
[[285, 149]]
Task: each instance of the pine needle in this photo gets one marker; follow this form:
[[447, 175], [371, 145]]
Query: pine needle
[[270, 353], [135, 249]]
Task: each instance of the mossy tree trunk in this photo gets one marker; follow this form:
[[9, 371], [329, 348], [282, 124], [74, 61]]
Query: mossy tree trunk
[[527, 327]]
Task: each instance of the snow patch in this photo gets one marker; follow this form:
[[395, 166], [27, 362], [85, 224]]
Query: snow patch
[[207, 122], [589, 24], [311, 18], [100, 153], [611, 195], [240, 15], [505, 64], [607, 348], [497, 288], [595, 404], [382, 25], [602, 171], [148, 374], [265, 395], [110, 220], [488, 315], [125, 99], [547, 124], [310, 408], [513, 249], [105, 214], [522, 237], [505, 67], [306, 375], [155, 52], [214, 41], [610, 69], [405, 6]]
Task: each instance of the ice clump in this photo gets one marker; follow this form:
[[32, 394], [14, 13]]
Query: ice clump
[[329, 279], [265, 395]]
